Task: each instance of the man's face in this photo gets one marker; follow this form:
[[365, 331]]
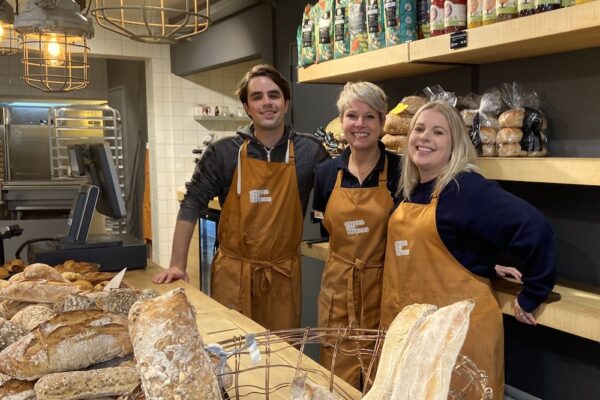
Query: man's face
[[266, 104]]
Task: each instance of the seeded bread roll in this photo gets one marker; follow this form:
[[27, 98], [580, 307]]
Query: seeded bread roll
[[509, 135], [42, 271], [169, 351], [87, 384], [74, 302], [70, 341], [33, 315], [120, 300], [512, 118], [396, 124]]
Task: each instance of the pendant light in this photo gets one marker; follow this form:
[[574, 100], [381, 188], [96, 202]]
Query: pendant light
[[153, 21], [8, 37], [55, 52]]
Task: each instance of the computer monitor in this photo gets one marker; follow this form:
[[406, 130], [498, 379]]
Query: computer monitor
[[103, 193]]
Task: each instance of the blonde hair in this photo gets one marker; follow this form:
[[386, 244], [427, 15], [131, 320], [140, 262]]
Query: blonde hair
[[366, 92], [462, 153]]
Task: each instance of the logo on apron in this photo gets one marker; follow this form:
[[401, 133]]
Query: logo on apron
[[401, 247], [353, 227], [260, 196]]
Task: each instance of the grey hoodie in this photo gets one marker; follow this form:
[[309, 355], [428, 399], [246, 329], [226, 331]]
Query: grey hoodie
[[214, 172]]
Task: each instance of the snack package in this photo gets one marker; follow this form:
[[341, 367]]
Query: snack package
[[323, 13], [437, 93], [525, 113], [357, 19], [423, 7], [375, 24], [400, 21], [307, 51], [341, 29]]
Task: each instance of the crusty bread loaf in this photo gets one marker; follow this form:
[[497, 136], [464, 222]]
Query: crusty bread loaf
[[393, 349], [33, 315], [120, 300], [137, 394], [8, 308], [10, 333], [430, 350], [397, 124], [509, 135], [394, 143], [413, 103], [74, 302], [17, 390], [40, 291], [512, 118], [169, 351], [69, 341], [42, 271], [87, 384]]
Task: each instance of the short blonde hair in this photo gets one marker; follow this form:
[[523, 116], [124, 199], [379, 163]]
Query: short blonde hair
[[462, 154], [366, 92]]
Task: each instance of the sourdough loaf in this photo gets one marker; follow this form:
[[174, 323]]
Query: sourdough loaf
[[42, 271], [10, 333], [39, 291], [87, 384], [8, 308], [17, 390], [33, 315], [69, 341], [169, 351]]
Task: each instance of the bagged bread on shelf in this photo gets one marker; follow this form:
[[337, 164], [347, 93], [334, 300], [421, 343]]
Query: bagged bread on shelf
[[484, 123], [169, 350], [397, 124], [92, 384], [510, 150], [509, 135], [512, 118], [488, 150], [70, 341]]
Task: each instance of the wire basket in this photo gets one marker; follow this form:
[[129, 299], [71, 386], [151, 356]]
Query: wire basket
[[272, 376]]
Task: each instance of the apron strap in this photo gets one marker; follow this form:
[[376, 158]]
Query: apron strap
[[383, 172], [242, 153], [338, 179], [357, 266]]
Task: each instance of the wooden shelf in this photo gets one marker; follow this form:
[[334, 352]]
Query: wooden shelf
[[557, 31], [571, 307], [386, 63], [567, 170]]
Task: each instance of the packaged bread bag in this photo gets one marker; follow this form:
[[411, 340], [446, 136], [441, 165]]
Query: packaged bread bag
[[341, 29], [482, 122], [524, 113], [323, 13]]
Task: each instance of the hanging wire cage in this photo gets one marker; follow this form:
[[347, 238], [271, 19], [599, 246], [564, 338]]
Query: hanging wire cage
[[54, 38], [153, 21], [249, 379], [8, 37]]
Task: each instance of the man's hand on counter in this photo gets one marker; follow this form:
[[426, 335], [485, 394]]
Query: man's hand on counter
[[171, 274]]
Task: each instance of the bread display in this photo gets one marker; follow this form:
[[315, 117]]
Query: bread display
[[74, 302], [488, 135], [169, 351], [120, 300], [8, 307], [87, 384], [468, 116], [33, 315], [488, 150], [69, 341], [335, 128], [512, 118]]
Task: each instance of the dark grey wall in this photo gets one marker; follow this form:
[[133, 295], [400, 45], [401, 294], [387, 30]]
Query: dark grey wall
[[127, 93], [243, 36], [540, 361]]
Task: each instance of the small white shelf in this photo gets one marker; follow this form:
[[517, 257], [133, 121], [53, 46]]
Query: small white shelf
[[219, 118]]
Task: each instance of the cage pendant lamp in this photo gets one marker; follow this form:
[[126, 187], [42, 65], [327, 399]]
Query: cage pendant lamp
[[54, 39], [8, 38], [153, 21]]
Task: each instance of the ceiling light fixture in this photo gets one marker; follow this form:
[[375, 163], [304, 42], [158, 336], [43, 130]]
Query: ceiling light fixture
[[153, 21], [8, 37], [55, 52]]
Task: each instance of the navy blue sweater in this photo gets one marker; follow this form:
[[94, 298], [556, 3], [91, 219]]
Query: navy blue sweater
[[478, 221]]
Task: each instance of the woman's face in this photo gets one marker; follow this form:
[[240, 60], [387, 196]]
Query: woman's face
[[430, 144], [361, 125]]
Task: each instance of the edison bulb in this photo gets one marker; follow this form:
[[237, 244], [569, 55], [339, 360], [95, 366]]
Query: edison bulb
[[54, 52]]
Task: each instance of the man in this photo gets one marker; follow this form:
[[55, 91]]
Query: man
[[263, 189]]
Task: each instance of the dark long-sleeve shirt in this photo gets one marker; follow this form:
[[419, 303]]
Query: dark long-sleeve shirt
[[477, 220], [214, 172]]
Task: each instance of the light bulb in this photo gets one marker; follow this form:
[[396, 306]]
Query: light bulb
[[1, 31], [54, 52]]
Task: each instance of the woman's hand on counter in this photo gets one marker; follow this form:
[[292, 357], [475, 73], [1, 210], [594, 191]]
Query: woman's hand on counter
[[171, 274]]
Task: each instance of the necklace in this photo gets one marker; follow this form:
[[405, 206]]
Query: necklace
[[362, 169]]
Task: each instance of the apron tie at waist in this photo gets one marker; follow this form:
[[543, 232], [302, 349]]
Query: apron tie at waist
[[262, 283], [357, 265]]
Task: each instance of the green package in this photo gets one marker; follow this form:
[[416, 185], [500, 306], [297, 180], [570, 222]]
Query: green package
[[375, 24], [357, 19], [341, 29], [400, 21], [307, 51], [323, 13]]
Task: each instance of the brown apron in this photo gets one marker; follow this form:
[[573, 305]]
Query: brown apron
[[256, 270], [420, 269], [356, 219]]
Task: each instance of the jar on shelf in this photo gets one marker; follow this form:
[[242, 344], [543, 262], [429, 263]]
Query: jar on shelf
[[474, 13], [455, 15], [506, 9], [526, 7], [488, 12], [436, 17]]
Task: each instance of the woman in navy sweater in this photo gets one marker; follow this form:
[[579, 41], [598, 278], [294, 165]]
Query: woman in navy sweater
[[445, 237]]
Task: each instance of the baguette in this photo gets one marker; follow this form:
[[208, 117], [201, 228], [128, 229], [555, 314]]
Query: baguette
[[70, 341], [40, 291], [87, 384], [169, 350]]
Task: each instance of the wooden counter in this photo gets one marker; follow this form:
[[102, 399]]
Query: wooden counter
[[571, 307], [218, 323]]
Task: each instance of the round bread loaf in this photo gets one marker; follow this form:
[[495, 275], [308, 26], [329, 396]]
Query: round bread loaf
[[488, 150], [487, 134], [512, 118], [509, 135], [468, 116], [395, 143], [413, 103], [396, 124], [510, 150]]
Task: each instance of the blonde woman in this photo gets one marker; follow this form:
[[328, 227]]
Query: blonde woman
[[354, 192], [444, 238]]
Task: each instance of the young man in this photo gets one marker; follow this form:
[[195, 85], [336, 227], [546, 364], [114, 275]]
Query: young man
[[263, 177]]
